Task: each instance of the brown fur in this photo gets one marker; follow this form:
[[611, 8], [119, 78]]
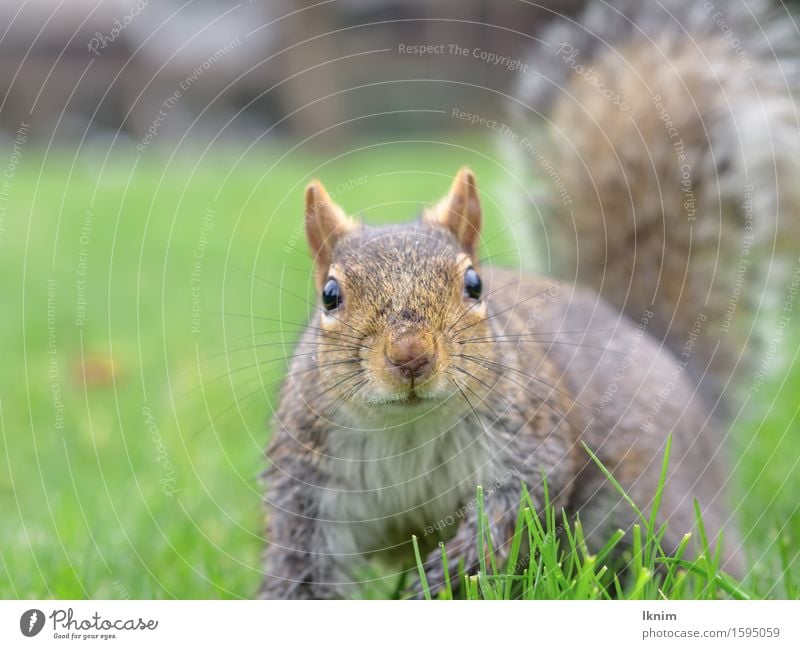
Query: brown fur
[[659, 214], [505, 380]]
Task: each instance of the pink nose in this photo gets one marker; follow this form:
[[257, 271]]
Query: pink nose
[[410, 358]]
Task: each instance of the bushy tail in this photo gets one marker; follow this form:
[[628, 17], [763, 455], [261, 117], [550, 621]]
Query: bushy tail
[[675, 139]]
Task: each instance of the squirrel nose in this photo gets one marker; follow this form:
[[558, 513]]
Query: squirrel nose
[[410, 358]]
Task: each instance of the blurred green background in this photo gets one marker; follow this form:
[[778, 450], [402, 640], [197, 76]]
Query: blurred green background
[[143, 351], [133, 424]]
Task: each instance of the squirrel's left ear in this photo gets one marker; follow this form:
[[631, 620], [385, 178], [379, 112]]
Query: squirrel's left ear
[[325, 223], [460, 211]]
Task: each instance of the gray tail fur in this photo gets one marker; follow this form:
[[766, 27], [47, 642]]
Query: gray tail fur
[[675, 141]]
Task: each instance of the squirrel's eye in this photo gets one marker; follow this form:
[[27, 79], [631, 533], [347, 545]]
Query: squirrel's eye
[[331, 295], [472, 283]]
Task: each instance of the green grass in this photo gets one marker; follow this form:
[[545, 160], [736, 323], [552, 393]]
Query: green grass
[[146, 483], [548, 558]]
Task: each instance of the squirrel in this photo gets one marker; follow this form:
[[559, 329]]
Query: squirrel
[[424, 372]]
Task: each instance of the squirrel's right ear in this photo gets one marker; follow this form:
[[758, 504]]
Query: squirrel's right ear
[[460, 211], [325, 223]]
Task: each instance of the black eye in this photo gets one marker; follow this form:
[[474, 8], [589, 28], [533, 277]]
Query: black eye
[[331, 295], [472, 283]]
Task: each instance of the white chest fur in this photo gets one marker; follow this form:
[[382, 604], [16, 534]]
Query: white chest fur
[[406, 478]]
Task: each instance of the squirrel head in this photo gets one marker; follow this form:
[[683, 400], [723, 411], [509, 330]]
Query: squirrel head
[[398, 305]]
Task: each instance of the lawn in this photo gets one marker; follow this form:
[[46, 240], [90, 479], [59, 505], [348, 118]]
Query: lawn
[[148, 306]]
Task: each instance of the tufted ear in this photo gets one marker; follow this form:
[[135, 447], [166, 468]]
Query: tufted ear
[[326, 222], [460, 211]]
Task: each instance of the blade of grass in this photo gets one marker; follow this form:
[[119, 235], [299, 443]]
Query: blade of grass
[[448, 587], [422, 578], [704, 542], [721, 580], [511, 562], [651, 525], [606, 550], [679, 552], [484, 544]]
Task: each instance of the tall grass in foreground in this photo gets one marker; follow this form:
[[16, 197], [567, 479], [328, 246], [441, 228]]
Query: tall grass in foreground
[[549, 559]]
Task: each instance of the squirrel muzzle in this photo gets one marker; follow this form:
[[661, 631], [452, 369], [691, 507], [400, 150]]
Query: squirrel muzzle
[[411, 358]]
